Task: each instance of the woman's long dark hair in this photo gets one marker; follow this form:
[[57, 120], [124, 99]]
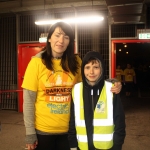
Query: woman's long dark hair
[[69, 61]]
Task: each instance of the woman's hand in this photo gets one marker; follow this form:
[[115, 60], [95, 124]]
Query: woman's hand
[[31, 146], [116, 88]]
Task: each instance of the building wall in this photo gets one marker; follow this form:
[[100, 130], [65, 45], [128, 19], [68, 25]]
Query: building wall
[[21, 28]]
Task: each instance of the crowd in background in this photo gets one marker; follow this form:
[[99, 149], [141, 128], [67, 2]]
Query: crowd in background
[[137, 75]]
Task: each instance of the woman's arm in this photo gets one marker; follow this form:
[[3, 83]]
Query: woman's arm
[[29, 98], [117, 85], [116, 88]]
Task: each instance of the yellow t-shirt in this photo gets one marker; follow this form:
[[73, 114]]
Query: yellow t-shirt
[[119, 73], [52, 106], [129, 75]]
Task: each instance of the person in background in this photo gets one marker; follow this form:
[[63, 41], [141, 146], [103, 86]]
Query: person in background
[[129, 79], [119, 73], [47, 85], [97, 120]]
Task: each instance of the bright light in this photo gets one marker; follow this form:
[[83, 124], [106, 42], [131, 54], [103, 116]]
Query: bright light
[[46, 22], [119, 50], [43, 39], [90, 19], [126, 52], [144, 35]]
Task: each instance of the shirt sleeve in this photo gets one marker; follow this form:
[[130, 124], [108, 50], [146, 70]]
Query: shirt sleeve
[[30, 80], [29, 98], [134, 73], [79, 69]]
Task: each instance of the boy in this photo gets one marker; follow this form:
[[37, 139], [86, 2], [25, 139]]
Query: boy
[[97, 120]]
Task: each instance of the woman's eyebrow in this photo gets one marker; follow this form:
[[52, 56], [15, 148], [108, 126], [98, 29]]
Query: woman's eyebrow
[[57, 32], [61, 33]]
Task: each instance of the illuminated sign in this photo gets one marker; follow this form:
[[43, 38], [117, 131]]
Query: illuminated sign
[[144, 35], [43, 39]]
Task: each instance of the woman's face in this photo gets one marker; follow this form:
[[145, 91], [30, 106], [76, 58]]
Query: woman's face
[[59, 42]]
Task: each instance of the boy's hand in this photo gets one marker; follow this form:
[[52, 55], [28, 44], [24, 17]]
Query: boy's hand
[[116, 88]]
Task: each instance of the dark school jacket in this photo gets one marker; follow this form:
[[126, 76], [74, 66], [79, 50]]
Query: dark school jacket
[[118, 112]]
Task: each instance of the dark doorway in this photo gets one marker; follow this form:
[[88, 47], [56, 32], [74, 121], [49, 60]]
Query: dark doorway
[[138, 56], [133, 53]]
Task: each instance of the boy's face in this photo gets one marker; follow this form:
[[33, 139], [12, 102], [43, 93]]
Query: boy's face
[[92, 72]]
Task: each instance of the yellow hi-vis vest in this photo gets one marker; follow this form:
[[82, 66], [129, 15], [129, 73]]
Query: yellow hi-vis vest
[[102, 121]]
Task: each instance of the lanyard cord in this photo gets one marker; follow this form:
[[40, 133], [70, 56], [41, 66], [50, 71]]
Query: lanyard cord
[[92, 100]]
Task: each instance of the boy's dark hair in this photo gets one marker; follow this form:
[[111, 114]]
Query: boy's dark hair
[[91, 59], [69, 60], [94, 60]]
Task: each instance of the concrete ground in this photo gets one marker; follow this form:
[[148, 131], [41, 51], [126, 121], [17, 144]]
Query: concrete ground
[[12, 132], [137, 111], [137, 125]]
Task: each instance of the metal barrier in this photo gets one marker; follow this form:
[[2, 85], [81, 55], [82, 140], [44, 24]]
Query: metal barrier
[[9, 99]]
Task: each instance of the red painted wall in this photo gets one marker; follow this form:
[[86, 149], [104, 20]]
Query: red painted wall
[[25, 52]]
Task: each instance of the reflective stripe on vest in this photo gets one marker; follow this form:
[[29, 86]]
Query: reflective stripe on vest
[[103, 118]]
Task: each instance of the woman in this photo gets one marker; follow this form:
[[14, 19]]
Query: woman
[[48, 81]]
